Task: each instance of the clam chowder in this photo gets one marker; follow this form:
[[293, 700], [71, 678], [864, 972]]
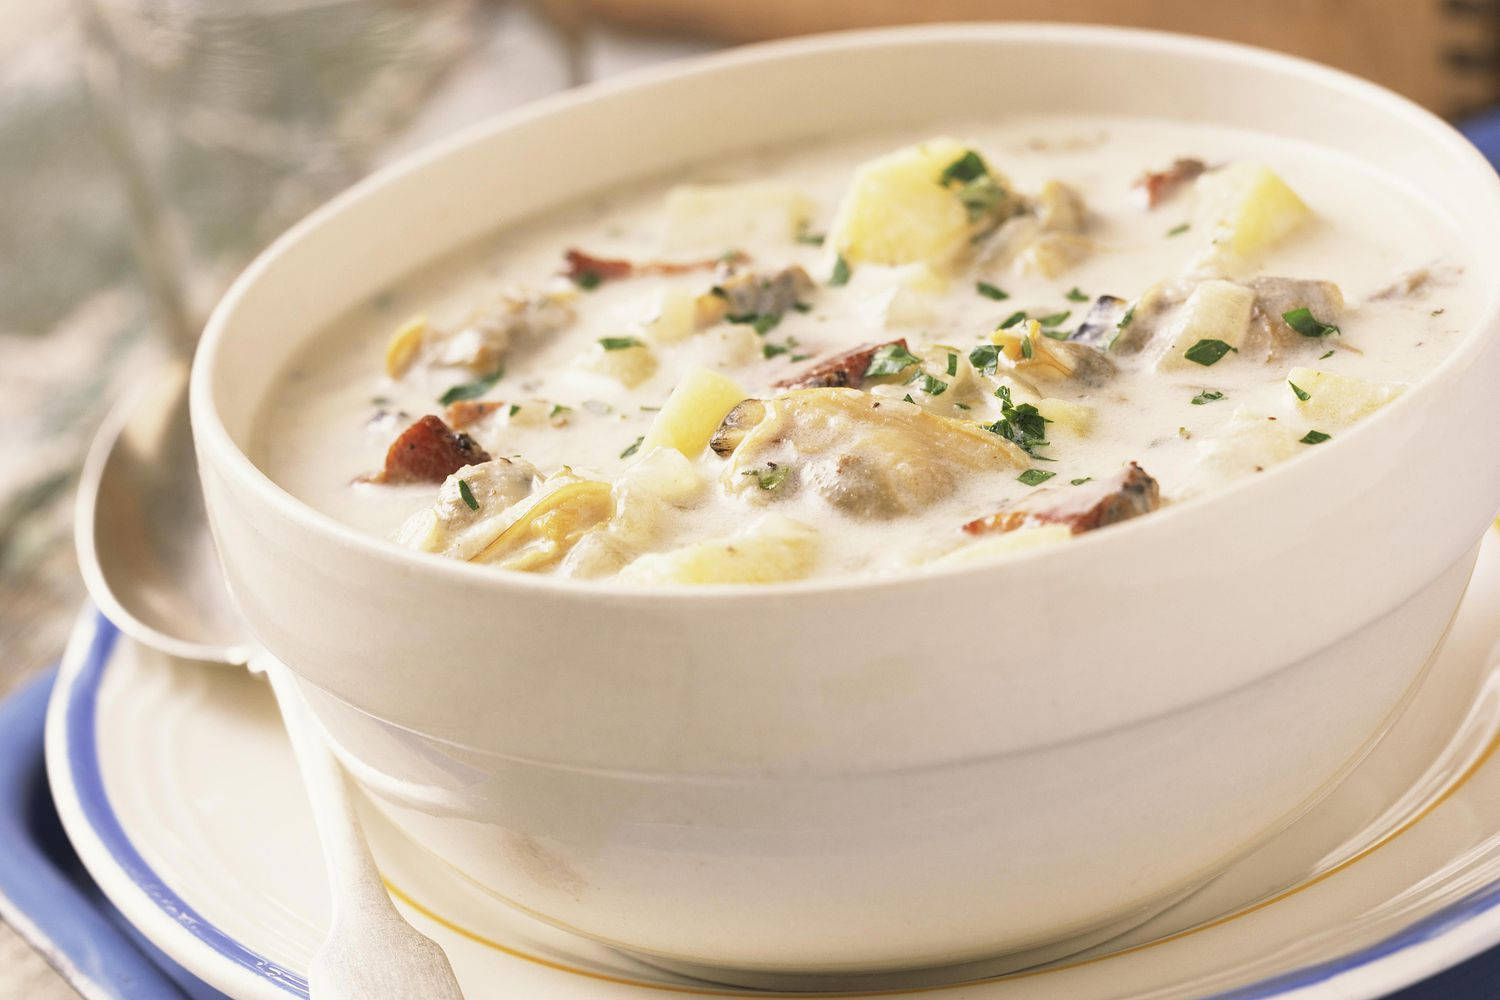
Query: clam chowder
[[875, 354]]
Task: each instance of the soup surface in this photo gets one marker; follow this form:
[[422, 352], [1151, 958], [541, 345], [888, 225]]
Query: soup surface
[[878, 354]]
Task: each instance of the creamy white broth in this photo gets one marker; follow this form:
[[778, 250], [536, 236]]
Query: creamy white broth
[[336, 411]]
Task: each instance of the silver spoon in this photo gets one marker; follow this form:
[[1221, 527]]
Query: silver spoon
[[149, 564]]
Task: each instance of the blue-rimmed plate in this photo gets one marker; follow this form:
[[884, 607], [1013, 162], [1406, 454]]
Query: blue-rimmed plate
[[175, 785]]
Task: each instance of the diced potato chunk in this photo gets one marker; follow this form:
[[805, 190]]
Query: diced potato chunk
[[771, 549], [1245, 208], [1076, 417], [665, 473], [1340, 399], [994, 546], [693, 412], [724, 217], [1248, 442], [676, 319], [401, 350], [629, 365], [1216, 310], [897, 211]]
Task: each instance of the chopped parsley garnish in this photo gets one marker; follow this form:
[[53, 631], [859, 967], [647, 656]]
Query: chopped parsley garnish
[[969, 178], [514, 409], [1303, 321], [811, 239], [1035, 477], [840, 275], [891, 359], [1302, 393], [1055, 318], [1021, 425], [588, 280], [908, 399], [770, 477], [961, 406], [1080, 482], [558, 410], [1315, 437], [471, 390], [618, 343], [1206, 352], [635, 446], [1325, 355], [1179, 229], [1125, 320], [1207, 396], [761, 323], [467, 494], [771, 349], [985, 358], [952, 363], [799, 357], [1027, 351], [990, 291], [1011, 320], [928, 384], [1074, 295]]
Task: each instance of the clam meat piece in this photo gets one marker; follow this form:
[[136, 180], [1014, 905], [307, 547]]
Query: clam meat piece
[[1059, 208], [473, 507], [1129, 493], [866, 456], [1275, 297], [749, 294], [544, 527], [1030, 353], [481, 343], [1102, 324]]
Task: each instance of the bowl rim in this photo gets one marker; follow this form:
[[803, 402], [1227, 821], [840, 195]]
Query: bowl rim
[[213, 438]]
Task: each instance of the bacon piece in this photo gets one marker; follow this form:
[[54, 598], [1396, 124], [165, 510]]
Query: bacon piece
[[466, 412], [429, 451], [1127, 494], [1156, 186], [585, 266], [847, 369]]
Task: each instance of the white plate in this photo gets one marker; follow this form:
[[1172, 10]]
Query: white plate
[[176, 785]]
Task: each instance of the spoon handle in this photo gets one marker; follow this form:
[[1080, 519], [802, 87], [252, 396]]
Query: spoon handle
[[371, 952]]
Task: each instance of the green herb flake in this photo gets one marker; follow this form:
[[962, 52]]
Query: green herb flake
[[1302, 393], [558, 410], [1207, 396], [1018, 316], [1305, 323], [908, 399], [769, 478], [990, 291], [1125, 320], [771, 349], [467, 494], [811, 239], [928, 384], [619, 343], [1055, 318], [969, 178], [1023, 426], [1035, 477], [1080, 482], [588, 280], [891, 359], [952, 363], [962, 406], [471, 390], [635, 446], [1179, 229], [966, 169], [985, 358], [799, 357], [514, 409], [840, 275], [1315, 437], [1074, 295], [1325, 355], [1027, 351], [1207, 352]]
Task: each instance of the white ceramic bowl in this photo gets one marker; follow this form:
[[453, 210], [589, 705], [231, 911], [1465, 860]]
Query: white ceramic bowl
[[837, 776]]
